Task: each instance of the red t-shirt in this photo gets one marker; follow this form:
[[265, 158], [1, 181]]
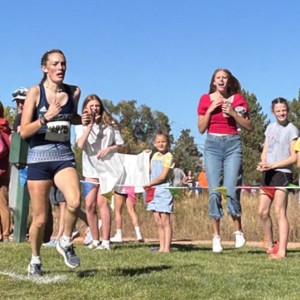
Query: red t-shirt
[[218, 123]]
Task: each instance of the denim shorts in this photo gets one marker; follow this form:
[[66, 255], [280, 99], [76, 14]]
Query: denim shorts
[[47, 170]]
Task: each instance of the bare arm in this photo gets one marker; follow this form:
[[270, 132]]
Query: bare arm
[[298, 160], [29, 128], [76, 118], [263, 156], [81, 141]]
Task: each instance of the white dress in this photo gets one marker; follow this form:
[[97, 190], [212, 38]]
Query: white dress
[[109, 169]]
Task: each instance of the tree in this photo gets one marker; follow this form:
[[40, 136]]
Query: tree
[[252, 141], [10, 114], [186, 153], [294, 115], [139, 124]]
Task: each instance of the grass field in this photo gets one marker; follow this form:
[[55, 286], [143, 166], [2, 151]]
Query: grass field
[[190, 271], [132, 271]]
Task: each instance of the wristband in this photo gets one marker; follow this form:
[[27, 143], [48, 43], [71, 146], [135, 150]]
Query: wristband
[[43, 120]]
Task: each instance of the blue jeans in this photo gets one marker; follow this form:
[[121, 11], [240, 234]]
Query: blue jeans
[[223, 162]]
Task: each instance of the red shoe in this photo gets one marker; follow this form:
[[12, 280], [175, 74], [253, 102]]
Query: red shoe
[[274, 250]]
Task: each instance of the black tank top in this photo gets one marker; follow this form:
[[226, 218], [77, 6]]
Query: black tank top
[[58, 129]]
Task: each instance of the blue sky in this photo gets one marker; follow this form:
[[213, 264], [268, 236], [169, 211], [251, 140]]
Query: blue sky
[[161, 53]]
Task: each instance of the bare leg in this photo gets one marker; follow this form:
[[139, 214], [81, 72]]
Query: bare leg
[[91, 211], [105, 216], [62, 208], [264, 213], [160, 229], [82, 216], [39, 192], [216, 226], [280, 205], [132, 213], [71, 192], [5, 212], [166, 221], [134, 219], [237, 221], [119, 202]]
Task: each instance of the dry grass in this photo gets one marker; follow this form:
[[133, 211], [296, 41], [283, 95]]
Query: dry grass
[[191, 222]]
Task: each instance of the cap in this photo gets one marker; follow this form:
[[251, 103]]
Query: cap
[[20, 94]]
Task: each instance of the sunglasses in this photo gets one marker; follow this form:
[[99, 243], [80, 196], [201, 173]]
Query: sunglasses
[[19, 92]]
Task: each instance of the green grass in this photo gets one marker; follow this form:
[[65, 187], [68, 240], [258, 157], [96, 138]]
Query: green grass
[[131, 271]]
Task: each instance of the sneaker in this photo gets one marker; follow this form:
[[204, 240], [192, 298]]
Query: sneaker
[[35, 270], [5, 239], [75, 234], [155, 249], [93, 246], [103, 247], [69, 255], [52, 243], [217, 247], [116, 239], [239, 239], [87, 237]]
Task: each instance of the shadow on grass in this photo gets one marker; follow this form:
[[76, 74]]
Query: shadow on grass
[[189, 248], [129, 245], [87, 273], [293, 250], [174, 246], [140, 271]]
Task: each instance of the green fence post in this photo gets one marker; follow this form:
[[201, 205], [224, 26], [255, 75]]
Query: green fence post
[[18, 193]]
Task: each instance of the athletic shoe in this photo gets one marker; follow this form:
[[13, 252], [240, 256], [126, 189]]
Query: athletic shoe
[[87, 237], [93, 246], [69, 255], [75, 234], [103, 247], [5, 239], [52, 243], [116, 239], [35, 270], [275, 249], [217, 247], [239, 239]]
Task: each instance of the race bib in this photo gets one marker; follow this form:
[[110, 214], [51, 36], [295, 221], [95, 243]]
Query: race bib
[[58, 131]]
